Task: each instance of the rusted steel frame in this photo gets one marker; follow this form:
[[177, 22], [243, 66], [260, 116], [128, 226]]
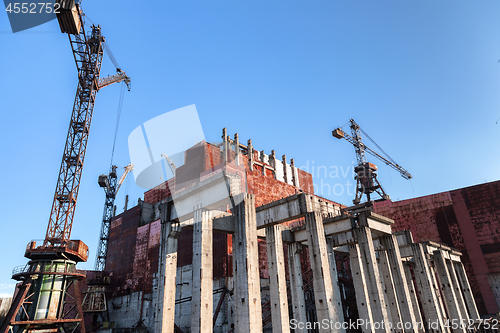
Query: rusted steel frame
[[219, 305], [46, 321], [16, 305]]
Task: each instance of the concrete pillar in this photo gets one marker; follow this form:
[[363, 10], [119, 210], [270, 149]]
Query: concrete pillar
[[296, 285], [277, 279], [250, 155], [322, 281], [456, 287], [448, 291], [202, 285], [338, 310], [165, 315], [427, 291], [362, 298], [414, 300], [363, 236], [224, 145], [404, 299], [246, 267], [236, 149], [392, 303], [467, 292]]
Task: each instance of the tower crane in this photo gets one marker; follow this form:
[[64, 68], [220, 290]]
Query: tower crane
[[111, 185], [170, 163], [366, 172], [48, 297], [95, 295]]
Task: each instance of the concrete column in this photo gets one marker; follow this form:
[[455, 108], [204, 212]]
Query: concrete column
[[277, 279], [246, 267], [224, 145], [338, 310], [362, 298], [404, 298], [427, 291], [456, 287], [467, 292], [250, 154], [202, 285], [165, 315], [322, 281], [236, 149], [414, 300], [272, 162], [363, 236], [392, 303], [296, 285], [448, 291]]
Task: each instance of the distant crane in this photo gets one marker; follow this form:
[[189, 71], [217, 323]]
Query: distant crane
[[95, 295], [170, 163], [366, 172], [111, 185]]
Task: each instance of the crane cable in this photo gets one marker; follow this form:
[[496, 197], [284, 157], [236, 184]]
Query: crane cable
[[120, 104], [364, 133]]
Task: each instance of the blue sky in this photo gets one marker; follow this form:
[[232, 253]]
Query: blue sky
[[421, 77]]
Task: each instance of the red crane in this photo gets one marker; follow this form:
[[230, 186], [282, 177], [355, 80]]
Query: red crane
[[48, 296]]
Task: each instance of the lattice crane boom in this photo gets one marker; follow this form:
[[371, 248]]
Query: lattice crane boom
[[366, 173]]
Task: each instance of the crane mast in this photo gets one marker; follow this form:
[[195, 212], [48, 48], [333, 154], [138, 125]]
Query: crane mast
[[88, 58], [111, 185], [48, 298]]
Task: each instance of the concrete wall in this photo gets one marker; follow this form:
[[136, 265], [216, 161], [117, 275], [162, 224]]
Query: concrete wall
[[5, 303]]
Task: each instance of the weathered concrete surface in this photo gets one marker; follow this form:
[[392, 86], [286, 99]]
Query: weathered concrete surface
[[277, 279], [246, 267], [202, 284], [362, 297], [296, 284], [318, 255], [372, 277]]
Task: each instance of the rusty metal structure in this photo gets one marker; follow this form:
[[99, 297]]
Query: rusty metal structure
[[366, 172], [47, 299]]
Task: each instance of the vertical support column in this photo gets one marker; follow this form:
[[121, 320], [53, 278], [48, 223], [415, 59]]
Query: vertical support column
[[250, 155], [224, 145], [296, 285], [363, 236], [456, 287], [272, 162], [277, 279], [295, 174], [285, 173], [358, 276], [392, 303], [236, 149], [322, 282], [467, 292], [414, 300], [170, 233], [246, 267], [202, 286], [448, 291], [338, 310], [404, 299], [427, 291]]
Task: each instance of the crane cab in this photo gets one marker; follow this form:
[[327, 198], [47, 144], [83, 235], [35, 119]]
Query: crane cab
[[68, 17]]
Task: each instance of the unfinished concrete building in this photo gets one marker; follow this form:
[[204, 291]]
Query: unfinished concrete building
[[467, 219], [238, 242]]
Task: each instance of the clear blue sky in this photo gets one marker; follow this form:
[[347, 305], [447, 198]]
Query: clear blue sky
[[421, 77]]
